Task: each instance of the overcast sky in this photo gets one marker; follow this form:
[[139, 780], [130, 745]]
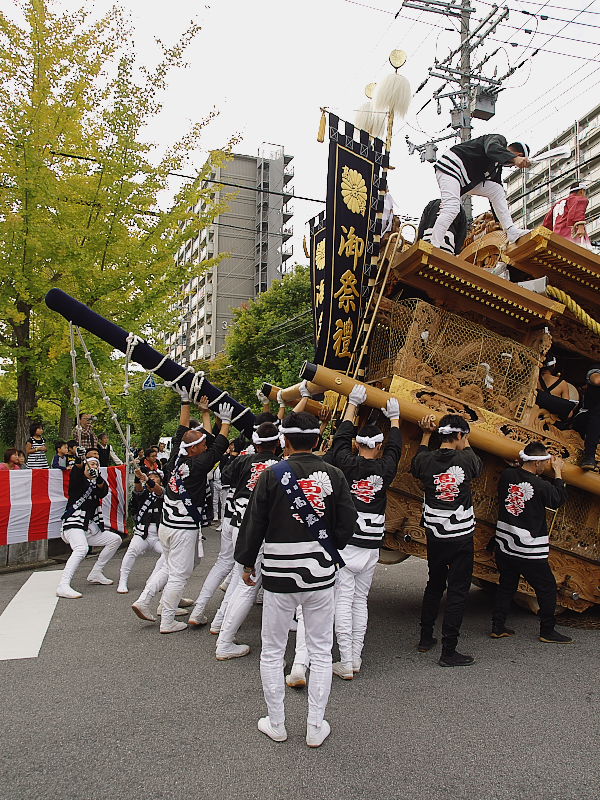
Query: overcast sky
[[268, 65]]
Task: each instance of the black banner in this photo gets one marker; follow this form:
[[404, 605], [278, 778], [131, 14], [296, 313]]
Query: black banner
[[350, 231], [317, 271]]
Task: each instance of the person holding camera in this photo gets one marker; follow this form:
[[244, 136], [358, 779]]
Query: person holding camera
[[84, 432], [83, 526]]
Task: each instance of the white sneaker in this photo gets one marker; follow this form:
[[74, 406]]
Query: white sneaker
[[225, 585], [316, 734], [197, 620], [232, 650], [356, 664], [215, 628], [173, 628], [259, 597], [343, 670], [64, 590], [276, 732], [122, 588], [297, 676], [186, 602], [142, 610], [514, 233], [178, 611], [96, 576]]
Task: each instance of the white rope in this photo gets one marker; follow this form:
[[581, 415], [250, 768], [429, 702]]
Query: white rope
[[76, 398], [105, 397], [132, 341]]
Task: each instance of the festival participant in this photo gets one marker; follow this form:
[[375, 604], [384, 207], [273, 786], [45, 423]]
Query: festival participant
[[475, 168], [449, 519], [239, 598], [11, 459], [302, 510], [369, 474], [61, 459], [522, 540], [150, 461], [567, 216], [36, 447], [180, 527], [83, 526], [587, 420], [106, 451], [554, 393], [242, 474], [147, 502]]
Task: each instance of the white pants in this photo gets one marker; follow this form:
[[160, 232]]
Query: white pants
[[450, 205], [278, 613], [237, 607], [179, 546], [79, 540], [351, 591], [137, 547], [220, 569]]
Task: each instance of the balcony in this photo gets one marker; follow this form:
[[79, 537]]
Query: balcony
[[288, 191], [286, 252], [288, 174], [288, 212], [287, 232]]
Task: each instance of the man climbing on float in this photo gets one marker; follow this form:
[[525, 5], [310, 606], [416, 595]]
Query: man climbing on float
[[475, 168]]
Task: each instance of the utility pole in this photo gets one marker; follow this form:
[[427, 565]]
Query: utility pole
[[465, 85], [472, 94]]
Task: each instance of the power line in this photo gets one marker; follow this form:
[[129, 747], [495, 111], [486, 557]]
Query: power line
[[544, 17], [196, 177]]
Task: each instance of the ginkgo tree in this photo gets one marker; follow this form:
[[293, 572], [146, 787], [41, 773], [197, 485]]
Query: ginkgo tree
[[80, 188]]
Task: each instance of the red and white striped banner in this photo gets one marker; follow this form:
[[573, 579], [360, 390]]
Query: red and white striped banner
[[32, 502]]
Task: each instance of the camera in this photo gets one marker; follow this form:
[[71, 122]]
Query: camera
[[80, 452], [93, 472]]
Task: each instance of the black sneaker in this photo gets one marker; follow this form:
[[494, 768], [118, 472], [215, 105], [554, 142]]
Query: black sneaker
[[426, 643], [554, 637], [588, 464], [455, 660], [500, 633]]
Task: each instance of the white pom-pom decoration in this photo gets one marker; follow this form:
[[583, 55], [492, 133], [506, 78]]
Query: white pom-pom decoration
[[393, 93]]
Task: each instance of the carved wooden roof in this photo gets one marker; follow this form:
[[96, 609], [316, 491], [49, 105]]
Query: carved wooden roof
[[459, 285], [567, 266]]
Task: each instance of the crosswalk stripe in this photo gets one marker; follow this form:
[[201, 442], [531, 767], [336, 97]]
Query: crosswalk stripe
[[25, 620]]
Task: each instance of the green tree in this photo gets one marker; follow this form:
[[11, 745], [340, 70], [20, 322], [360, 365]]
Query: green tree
[[79, 192], [270, 339]]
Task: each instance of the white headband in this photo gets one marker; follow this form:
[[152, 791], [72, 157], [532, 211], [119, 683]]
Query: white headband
[[285, 431], [281, 440], [184, 447], [256, 439], [446, 429], [524, 457], [550, 362], [197, 428], [370, 441]]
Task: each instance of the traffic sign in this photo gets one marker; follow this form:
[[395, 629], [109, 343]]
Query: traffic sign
[[149, 383]]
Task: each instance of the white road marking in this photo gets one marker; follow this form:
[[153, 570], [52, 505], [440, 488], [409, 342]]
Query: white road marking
[[25, 620]]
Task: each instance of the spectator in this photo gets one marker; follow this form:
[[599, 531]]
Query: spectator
[[22, 459], [72, 454], [11, 459], [106, 452], [36, 447], [150, 460], [61, 459], [163, 456], [84, 432]]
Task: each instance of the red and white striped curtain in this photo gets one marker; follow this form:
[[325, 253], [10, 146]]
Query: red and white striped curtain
[[32, 502]]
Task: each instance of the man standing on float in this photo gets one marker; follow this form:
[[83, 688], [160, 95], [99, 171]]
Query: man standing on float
[[475, 168]]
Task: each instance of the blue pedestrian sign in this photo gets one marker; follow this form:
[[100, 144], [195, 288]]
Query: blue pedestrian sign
[[149, 383]]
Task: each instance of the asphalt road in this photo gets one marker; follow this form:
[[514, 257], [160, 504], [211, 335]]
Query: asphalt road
[[111, 710]]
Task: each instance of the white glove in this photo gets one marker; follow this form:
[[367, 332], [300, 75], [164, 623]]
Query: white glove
[[392, 409], [182, 392], [280, 399], [262, 398], [358, 395], [225, 412], [304, 390]]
